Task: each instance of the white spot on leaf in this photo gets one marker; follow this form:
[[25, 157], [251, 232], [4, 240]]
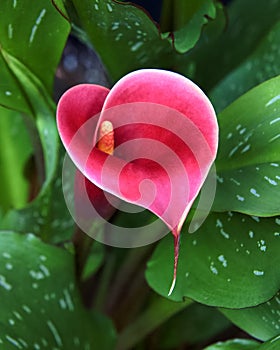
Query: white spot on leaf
[[254, 192], [271, 181], [13, 342], [136, 46], [258, 273], [240, 198], [274, 121], [109, 7], [222, 259], [4, 283], [245, 149], [37, 23], [273, 100], [10, 31], [55, 333]]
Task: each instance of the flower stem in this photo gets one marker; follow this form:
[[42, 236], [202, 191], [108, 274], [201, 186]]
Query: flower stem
[[158, 313], [176, 237]]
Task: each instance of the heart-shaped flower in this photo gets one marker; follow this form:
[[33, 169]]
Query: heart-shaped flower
[[150, 141]]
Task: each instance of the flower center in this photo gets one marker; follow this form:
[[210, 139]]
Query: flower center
[[106, 137]]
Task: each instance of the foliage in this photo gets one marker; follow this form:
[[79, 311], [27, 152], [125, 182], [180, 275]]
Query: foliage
[[57, 284]]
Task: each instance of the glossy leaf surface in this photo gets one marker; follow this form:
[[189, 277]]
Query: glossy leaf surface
[[230, 261], [273, 344], [122, 29], [189, 18], [260, 65], [41, 306], [213, 61], [235, 344], [262, 322], [248, 161], [23, 39], [27, 88], [16, 150]]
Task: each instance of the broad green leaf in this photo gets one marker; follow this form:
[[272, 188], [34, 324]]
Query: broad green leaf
[[123, 35], [47, 215], [262, 64], [42, 108], [35, 35], [235, 344], [188, 19], [248, 23], [15, 150], [193, 325], [262, 321], [273, 344], [32, 40], [230, 261], [40, 301], [10, 91], [248, 161]]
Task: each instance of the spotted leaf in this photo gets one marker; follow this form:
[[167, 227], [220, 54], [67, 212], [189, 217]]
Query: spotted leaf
[[248, 161], [272, 344], [42, 215], [28, 78], [262, 321], [235, 344], [23, 29], [122, 29], [40, 302], [230, 261]]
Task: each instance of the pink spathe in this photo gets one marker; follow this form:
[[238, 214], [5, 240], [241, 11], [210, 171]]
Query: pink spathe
[[165, 140]]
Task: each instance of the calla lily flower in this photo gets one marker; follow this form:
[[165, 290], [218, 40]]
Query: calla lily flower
[[149, 141]]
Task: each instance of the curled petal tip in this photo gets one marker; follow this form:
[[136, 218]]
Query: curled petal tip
[[172, 287]]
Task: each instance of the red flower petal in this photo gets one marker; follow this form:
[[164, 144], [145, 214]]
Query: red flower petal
[[165, 139]]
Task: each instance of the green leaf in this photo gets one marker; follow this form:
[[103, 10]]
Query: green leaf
[[194, 325], [94, 260], [124, 36], [262, 321], [235, 344], [11, 94], [262, 64], [189, 17], [47, 215], [248, 23], [248, 160], [40, 302], [41, 107], [273, 344], [42, 215], [229, 261], [35, 35], [15, 150], [243, 344]]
